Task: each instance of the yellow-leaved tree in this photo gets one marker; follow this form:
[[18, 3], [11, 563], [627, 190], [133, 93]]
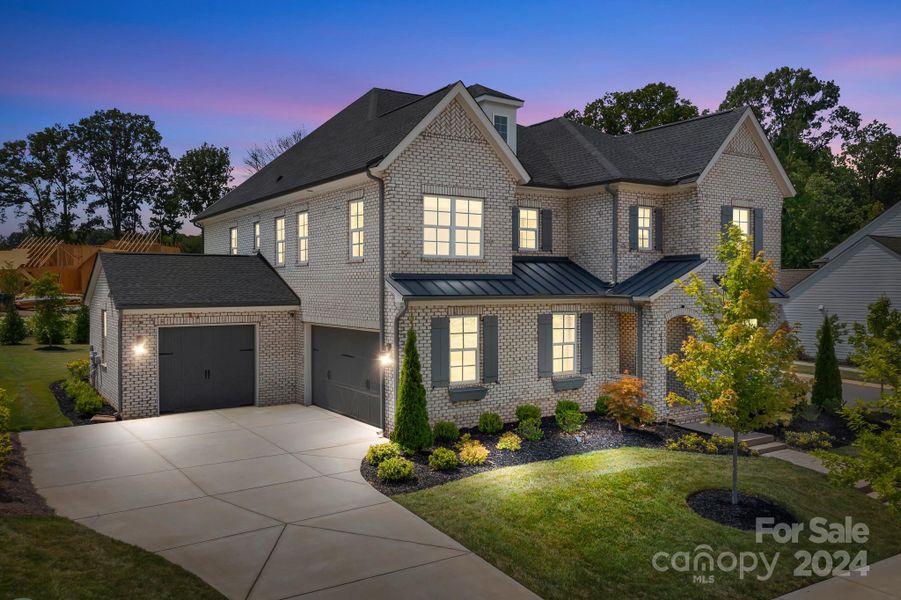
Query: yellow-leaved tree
[[739, 364]]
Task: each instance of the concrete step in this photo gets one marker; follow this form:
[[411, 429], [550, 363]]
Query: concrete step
[[768, 447], [756, 439]]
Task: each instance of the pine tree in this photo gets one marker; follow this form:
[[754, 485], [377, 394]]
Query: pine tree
[[12, 329], [81, 327], [411, 418], [827, 383]]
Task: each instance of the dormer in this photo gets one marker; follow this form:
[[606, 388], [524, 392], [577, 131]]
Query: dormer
[[501, 111]]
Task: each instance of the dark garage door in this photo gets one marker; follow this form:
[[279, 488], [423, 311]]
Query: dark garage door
[[206, 367], [346, 372]]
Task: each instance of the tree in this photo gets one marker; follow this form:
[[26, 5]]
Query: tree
[[260, 156], [873, 153], [11, 280], [201, 177], [617, 113], [12, 328], [827, 382], [81, 326], [739, 366], [165, 215], [25, 189], [125, 162], [49, 322], [877, 344], [411, 418], [53, 149]]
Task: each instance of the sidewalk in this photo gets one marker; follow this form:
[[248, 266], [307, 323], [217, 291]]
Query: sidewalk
[[883, 582]]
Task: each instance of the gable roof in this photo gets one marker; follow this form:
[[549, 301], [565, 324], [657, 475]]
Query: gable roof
[[482, 90], [658, 277], [889, 214], [191, 281], [892, 243]]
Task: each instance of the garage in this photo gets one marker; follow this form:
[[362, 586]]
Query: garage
[[203, 368], [346, 372]]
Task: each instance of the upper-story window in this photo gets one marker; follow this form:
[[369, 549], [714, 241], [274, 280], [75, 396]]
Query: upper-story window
[[103, 330], [741, 217], [233, 240], [256, 235], [500, 123], [303, 237], [528, 228], [644, 227], [280, 241], [357, 235], [452, 227], [564, 342], [464, 349]]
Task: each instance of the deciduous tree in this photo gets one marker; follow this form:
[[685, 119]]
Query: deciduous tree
[[260, 156], [202, 176], [624, 112], [49, 322]]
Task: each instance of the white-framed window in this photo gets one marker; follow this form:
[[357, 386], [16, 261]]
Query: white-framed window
[[256, 235], [451, 227], [103, 330], [357, 235], [741, 217], [500, 124], [528, 228], [464, 349], [644, 227], [233, 240], [564, 343], [103, 322], [303, 237], [280, 241]]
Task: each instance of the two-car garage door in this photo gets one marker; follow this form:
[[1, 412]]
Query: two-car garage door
[[346, 372]]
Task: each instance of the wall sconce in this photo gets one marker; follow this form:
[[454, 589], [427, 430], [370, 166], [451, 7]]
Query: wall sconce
[[386, 358], [140, 346]]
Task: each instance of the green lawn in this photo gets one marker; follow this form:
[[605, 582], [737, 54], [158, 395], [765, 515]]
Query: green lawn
[[26, 373], [53, 557], [588, 526]]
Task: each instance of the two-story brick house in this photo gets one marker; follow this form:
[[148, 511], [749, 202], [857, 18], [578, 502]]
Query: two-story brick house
[[534, 262]]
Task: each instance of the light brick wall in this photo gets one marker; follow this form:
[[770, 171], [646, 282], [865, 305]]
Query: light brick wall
[[559, 208], [590, 223], [107, 382], [279, 355]]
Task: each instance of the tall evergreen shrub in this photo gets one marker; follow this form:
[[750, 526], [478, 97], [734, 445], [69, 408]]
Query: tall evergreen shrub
[[411, 418], [827, 384]]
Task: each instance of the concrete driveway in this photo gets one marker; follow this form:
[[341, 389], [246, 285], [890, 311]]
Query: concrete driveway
[[262, 503]]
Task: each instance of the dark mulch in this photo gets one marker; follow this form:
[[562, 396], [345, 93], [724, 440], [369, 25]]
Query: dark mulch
[[716, 505], [596, 434], [67, 406], [17, 494], [51, 349], [834, 425]]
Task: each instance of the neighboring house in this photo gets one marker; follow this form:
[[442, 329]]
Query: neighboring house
[[850, 277], [534, 263]]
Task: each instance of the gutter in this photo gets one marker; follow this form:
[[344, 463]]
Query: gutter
[[381, 286]]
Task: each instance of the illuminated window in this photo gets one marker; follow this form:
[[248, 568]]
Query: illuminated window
[[451, 227], [280, 241], [528, 229], [103, 337], [644, 227], [303, 237], [103, 321], [564, 340], [741, 217], [500, 124], [233, 240], [464, 349], [357, 235], [256, 235]]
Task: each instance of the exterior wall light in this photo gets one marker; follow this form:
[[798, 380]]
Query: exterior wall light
[[386, 358], [140, 346]]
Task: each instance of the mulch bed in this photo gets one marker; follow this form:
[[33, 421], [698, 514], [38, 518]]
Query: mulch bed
[[716, 505], [67, 405], [834, 425], [17, 494], [596, 434]]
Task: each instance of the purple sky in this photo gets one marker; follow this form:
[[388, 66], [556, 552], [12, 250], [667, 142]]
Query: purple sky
[[238, 73]]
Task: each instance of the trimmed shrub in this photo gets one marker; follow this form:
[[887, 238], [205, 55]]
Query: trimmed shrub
[[13, 329], [79, 369], [87, 400], [378, 453], [600, 406], [716, 444], [49, 321], [570, 421], [509, 441], [528, 411], [813, 440], [490, 423], [443, 459], [81, 326], [472, 452], [395, 469], [625, 402], [411, 430], [446, 431], [6, 445], [827, 379], [530, 429], [563, 405]]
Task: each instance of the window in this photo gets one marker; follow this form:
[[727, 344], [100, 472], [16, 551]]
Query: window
[[500, 123], [256, 235], [280, 241], [644, 227], [528, 229], [233, 240], [464, 349], [564, 340], [451, 227], [357, 235], [103, 329], [103, 321], [303, 237], [741, 217]]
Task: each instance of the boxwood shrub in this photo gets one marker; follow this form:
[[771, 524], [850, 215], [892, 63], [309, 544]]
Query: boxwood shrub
[[530, 429], [443, 459], [378, 453], [446, 432], [490, 423], [528, 411], [395, 469]]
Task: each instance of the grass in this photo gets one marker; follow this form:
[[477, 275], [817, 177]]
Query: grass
[[588, 526], [847, 374], [53, 557], [26, 373]]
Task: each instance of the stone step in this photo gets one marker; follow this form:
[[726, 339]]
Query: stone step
[[769, 447], [756, 439]]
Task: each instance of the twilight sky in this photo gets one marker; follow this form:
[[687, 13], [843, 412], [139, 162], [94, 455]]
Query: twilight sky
[[238, 73]]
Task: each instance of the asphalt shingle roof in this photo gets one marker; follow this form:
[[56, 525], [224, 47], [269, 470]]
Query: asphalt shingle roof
[[654, 278], [193, 280], [483, 90]]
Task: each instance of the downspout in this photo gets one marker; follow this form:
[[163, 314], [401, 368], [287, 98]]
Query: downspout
[[614, 254], [397, 318], [381, 287]]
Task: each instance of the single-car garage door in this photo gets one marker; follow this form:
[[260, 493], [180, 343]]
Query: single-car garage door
[[346, 372], [206, 367]]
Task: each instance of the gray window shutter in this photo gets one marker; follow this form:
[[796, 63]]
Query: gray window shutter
[[545, 347], [758, 230], [633, 227], [658, 229], [440, 351], [586, 333], [547, 229], [515, 228], [725, 217], [489, 350]]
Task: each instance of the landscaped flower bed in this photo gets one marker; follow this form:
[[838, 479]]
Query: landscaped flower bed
[[77, 399]]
